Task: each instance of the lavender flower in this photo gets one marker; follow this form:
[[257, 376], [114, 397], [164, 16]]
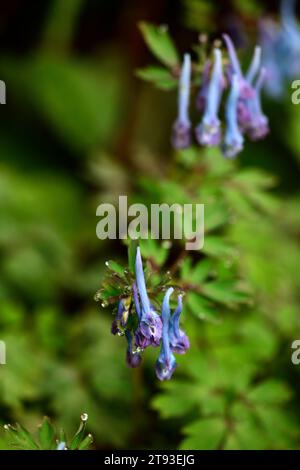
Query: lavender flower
[[233, 141], [202, 94], [246, 90], [208, 131], [133, 357], [281, 47], [179, 341], [121, 318], [254, 66], [259, 125], [149, 330], [166, 362], [271, 41], [181, 137]]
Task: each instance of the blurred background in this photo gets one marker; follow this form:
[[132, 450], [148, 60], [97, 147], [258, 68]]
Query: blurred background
[[79, 128]]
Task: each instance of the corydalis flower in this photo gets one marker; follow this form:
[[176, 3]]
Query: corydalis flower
[[121, 318], [233, 141], [249, 112], [202, 94], [281, 47], [149, 330], [166, 362], [133, 357], [181, 137], [209, 130], [179, 341], [246, 90], [289, 38], [259, 124]]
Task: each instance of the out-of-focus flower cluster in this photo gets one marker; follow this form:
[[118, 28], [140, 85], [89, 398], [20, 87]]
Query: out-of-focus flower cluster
[[243, 111], [143, 326], [281, 48]]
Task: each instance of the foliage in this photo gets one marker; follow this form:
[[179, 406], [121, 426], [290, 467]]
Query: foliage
[[83, 129], [20, 438]]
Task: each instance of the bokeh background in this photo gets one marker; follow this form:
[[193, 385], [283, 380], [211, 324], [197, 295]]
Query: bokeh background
[[79, 128]]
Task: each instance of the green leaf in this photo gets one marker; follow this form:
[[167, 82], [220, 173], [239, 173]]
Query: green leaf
[[79, 436], [160, 43], [115, 267], [87, 441], [201, 307], [46, 434], [224, 292], [206, 434], [218, 247], [177, 399], [270, 392], [160, 76]]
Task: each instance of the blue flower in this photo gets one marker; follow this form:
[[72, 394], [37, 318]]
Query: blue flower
[[254, 66], [61, 446], [149, 330], [166, 362], [233, 141], [259, 124], [208, 131], [179, 341], [271, 42], [201, 98], [281, 48], [245, 89], [290, 39], [133, 357], [181, 137], [121, 318]]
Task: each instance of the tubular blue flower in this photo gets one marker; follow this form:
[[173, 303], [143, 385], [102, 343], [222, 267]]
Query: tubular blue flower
[[133, 358], [281, 48], [248, 116], [245, 89], [271, 42], [254, 65], [61, 446], [202, 94], [259, 125], [233, 141], [208, 132], [149, 330], [181, 136], [179, 341], [136, 300], [290, 38], [121, 318], [166, 362]]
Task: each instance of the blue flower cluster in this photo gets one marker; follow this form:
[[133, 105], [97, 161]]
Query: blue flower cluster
[[281, 46], [243, 111], [152, 329]]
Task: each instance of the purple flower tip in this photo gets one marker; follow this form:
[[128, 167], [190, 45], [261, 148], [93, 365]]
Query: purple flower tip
[[179, 341], [209, 133], [181, 136], [166, 362], [233, 140], [133, 358], [149, 330]]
